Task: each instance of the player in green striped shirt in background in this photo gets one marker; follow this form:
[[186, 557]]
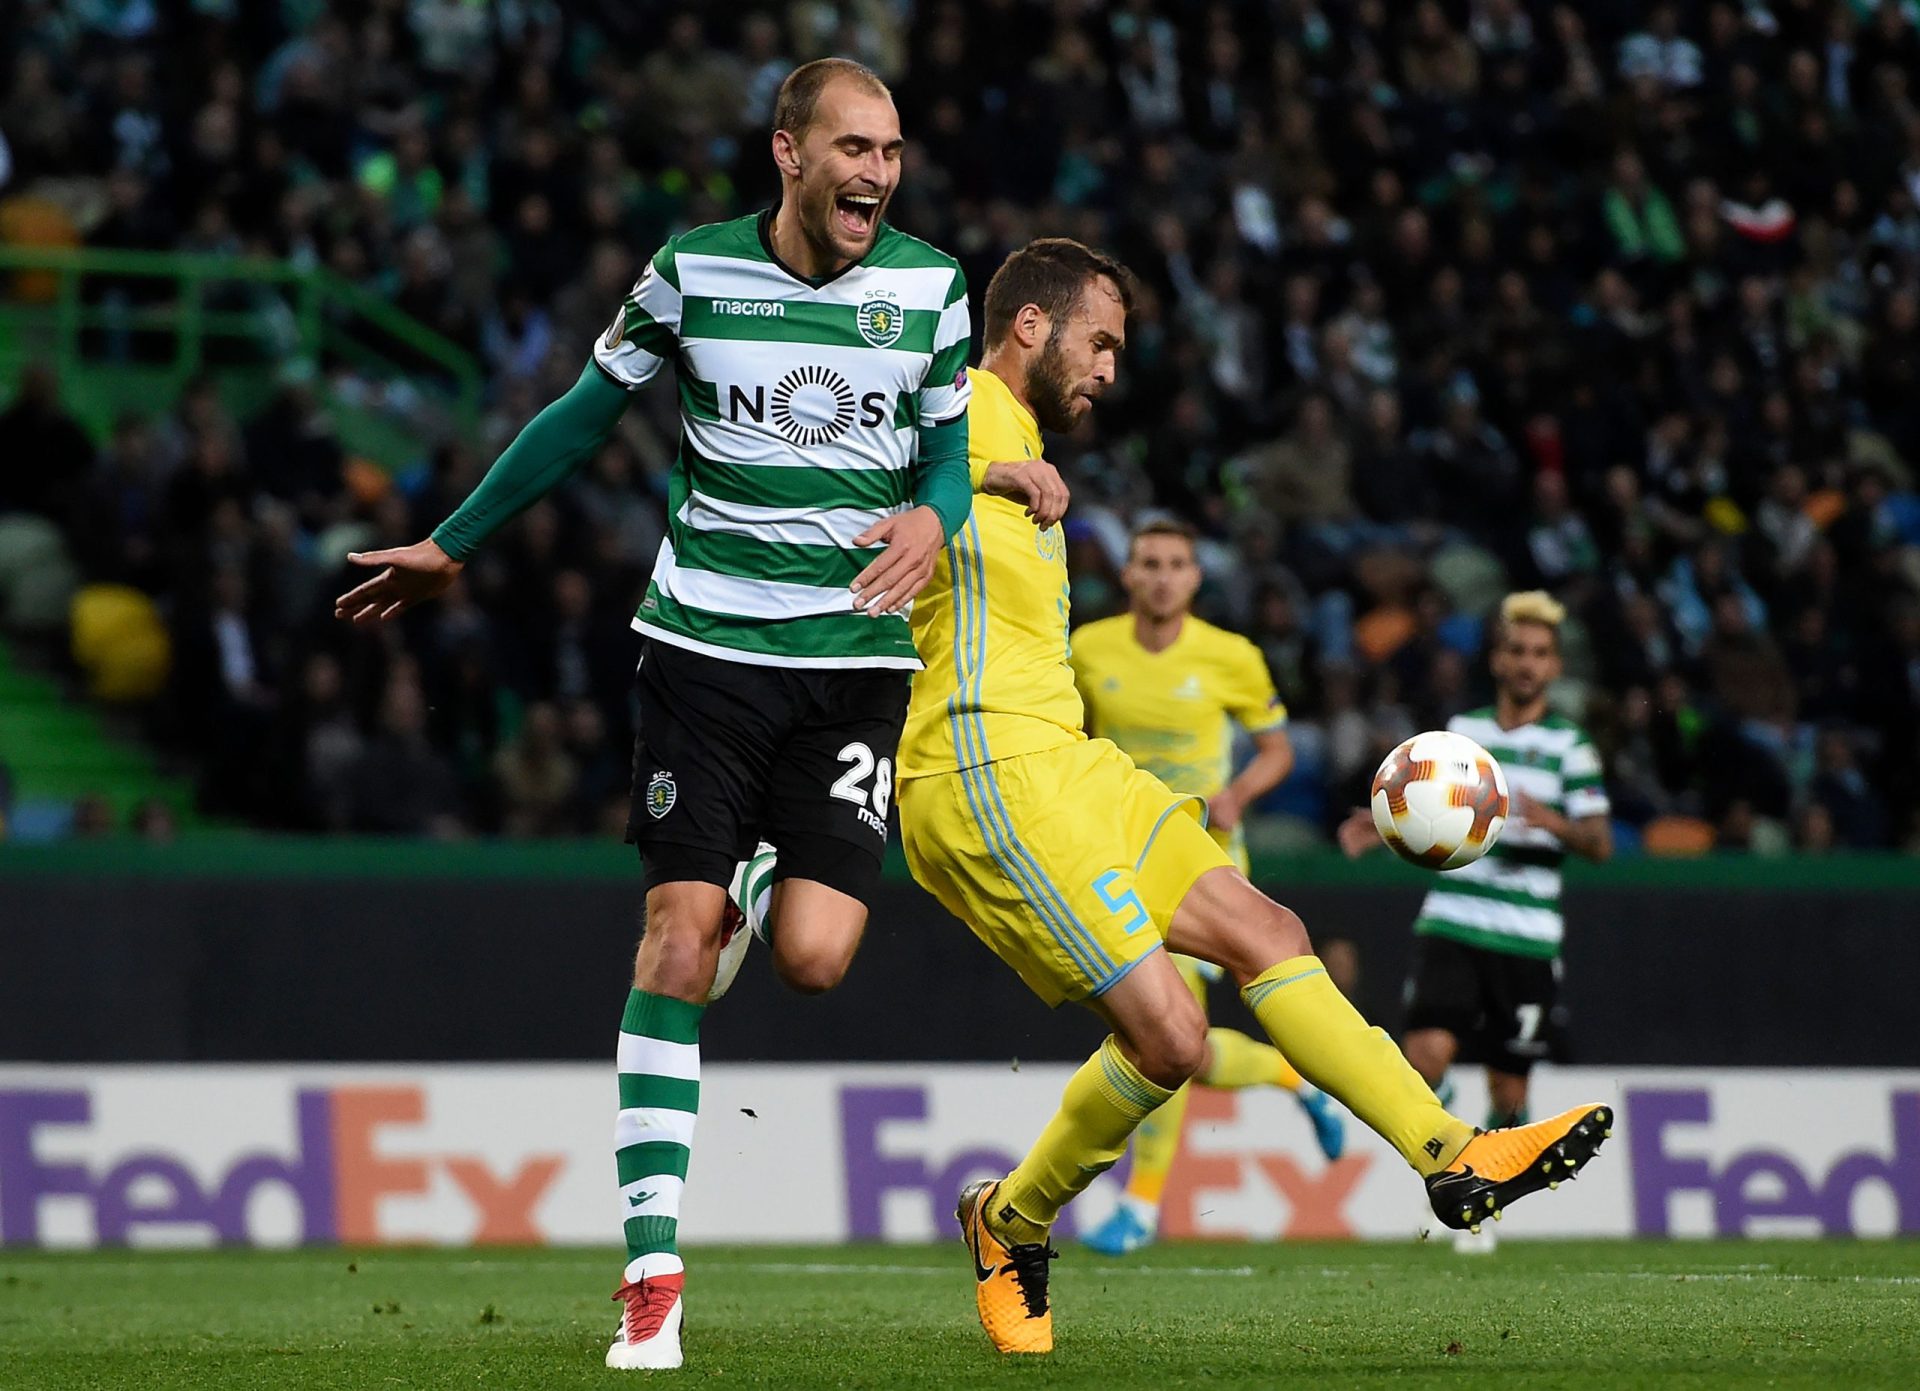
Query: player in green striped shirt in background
[[821, 361], [1485, 983]]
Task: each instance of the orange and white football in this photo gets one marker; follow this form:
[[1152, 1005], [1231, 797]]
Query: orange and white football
[[1439, 800]]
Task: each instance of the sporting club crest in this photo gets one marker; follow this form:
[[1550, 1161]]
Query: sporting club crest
[[661, 794], [881, 322]]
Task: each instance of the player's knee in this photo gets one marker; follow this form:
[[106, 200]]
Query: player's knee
[[811, 973], [1289, 934], [1273, 935], [678, 944], [1174, 1048], [1172, 1057]]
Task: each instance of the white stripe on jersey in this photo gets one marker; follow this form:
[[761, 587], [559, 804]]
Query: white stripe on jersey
[[767, 599], [798, 526], [731, 277], [1537, 881], [877, 448], [1491, 915]]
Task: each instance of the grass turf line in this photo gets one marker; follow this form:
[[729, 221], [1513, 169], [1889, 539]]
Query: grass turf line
[[1535, 1314]]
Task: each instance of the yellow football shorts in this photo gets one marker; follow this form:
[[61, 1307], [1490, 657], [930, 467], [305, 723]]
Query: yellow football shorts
[[1068, 863]]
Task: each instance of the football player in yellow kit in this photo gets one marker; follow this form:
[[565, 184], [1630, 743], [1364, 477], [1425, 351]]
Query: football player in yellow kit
[[1168, 689], [1079, 869]]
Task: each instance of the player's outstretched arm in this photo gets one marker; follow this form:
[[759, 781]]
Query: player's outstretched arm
[[543, 455], [1035, 483], [1271, 762]]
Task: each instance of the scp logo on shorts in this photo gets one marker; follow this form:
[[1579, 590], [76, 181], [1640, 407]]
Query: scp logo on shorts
[[661, 794]]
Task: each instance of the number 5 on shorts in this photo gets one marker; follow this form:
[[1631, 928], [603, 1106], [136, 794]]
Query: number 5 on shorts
[[1118, 902]]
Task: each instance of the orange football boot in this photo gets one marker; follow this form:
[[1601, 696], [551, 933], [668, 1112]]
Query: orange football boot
[[1497, 1167], [1010, 1282]]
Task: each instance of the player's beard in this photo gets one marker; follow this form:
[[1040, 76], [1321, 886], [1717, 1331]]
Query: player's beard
[[1050, 388]]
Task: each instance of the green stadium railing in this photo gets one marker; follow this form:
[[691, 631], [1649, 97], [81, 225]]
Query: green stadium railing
[[125, 328]]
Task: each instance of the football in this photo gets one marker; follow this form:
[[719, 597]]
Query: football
[[1439, 800]]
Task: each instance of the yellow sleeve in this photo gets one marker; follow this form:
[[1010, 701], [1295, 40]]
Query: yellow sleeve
[[1249, 696], [986, 435]]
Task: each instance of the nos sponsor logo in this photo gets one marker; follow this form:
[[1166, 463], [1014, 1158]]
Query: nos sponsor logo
[[811, 405]]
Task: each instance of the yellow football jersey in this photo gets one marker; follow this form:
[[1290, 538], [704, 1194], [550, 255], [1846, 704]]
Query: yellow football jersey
[[1173, 711], [992, 624]]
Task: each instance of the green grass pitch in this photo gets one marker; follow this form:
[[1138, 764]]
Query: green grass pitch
[[1533, 1315]]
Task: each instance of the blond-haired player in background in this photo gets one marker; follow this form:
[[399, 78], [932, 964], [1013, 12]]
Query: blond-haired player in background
[[1079, 869], [1169, 688], [1485, 982]]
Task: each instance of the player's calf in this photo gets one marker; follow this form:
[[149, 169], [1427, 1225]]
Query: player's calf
[[1431, 1051]]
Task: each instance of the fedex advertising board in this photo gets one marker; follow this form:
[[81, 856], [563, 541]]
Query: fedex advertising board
[[204, 1155]]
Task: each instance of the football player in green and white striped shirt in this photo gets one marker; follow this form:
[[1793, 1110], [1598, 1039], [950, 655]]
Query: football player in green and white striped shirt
[[821, 358], [1486, 976]]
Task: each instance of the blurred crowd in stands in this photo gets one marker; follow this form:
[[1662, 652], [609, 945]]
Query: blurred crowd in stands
[[1621, 300]]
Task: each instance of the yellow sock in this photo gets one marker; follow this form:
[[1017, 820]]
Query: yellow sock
[[1105, 1102], [1339, 1052], [1236, 1061], [1155, 1145]]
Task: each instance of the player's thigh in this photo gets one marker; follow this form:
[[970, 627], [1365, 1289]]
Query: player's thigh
[[816, 929], [1443, 989], [1029, 853], [1524, 1023], [1210, 909], [709, 731], [831, 787]]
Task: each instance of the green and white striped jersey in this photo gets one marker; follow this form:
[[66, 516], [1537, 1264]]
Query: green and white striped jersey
[[799, 410], [1509, 899]]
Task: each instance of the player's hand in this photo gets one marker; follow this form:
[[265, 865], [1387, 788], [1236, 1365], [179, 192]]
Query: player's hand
[[1033, 482], [913, 541], [1357, 834], [409, 575], [1528, 812], [1223, 810]]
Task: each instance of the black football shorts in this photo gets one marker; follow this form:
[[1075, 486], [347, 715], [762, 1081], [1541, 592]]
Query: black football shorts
[[729, 754], [1504, 1008]]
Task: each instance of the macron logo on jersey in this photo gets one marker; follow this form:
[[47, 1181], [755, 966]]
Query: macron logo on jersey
[[750, 308]]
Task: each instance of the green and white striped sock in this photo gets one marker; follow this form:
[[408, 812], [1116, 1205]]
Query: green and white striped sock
[[755, 896], [653, 1135]]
